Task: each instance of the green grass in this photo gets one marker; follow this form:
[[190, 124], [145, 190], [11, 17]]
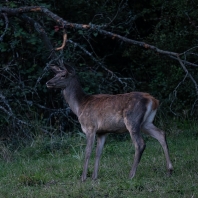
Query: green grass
[[52, 168]]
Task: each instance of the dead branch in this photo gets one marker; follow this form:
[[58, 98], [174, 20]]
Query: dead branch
[[91, 27], [185, 62], [174, 93], [16, 12], [189, 75], [64, 41], [9, 111], [5, 102]]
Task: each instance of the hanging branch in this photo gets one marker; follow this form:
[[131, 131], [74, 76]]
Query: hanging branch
[[66, 24], [16, 12], [64, 41], [91, 27]]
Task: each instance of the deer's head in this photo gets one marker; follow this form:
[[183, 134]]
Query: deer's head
[[61, 79]]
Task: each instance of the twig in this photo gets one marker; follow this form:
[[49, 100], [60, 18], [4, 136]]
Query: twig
[[187, 72], [185, 62], [175, 93], [64, 41], [9, 111]]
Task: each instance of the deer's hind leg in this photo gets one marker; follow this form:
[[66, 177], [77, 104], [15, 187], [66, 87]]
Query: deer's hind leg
[[149, 128], [134, 130]]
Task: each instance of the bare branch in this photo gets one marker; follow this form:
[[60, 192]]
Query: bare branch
[[93, 28], [8, 111], [119, 8], [175, 93], [185, 62], [189, 75], [64, 41]]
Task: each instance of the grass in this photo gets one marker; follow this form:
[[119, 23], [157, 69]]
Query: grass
[[52, 168]]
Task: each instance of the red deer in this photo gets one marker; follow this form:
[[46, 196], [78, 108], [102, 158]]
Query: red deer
[[101, 114]]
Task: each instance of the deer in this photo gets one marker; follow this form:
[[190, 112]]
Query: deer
[[101, 114]]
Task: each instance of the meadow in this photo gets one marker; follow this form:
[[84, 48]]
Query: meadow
[[50, 167]]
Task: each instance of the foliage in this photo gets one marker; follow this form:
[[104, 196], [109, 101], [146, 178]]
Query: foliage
[[109, 67], [41, 148], [171, 27]]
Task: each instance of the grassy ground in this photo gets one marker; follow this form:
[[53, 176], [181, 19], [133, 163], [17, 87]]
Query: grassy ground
[[52, 168]]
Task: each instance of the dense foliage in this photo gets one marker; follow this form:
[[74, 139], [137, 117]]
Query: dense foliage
[[105, 65]]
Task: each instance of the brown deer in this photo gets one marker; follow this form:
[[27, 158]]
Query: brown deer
[[101, 114]]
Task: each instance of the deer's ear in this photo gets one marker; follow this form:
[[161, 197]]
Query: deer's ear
[[55, 69]]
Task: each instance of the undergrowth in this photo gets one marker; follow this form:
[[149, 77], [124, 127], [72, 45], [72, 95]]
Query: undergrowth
[[52, 166]]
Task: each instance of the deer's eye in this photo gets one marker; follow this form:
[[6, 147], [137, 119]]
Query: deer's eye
[[63, 76]]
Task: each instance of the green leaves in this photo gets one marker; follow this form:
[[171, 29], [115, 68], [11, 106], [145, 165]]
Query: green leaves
[[105, 65]]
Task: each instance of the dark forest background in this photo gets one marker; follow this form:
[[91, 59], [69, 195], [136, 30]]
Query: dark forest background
[[104, 64]]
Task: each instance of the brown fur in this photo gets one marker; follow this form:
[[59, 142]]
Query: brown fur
[[103, 113]]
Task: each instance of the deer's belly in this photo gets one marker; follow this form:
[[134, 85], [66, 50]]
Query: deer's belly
[[111, 124], [103, 124]]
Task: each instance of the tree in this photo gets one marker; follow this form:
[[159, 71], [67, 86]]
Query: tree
[[99, 40]]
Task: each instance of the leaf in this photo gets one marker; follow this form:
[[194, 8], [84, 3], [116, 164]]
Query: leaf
[[80, 32], [95, 34]]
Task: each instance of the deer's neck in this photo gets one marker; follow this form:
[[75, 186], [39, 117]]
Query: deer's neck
[[74, 95]]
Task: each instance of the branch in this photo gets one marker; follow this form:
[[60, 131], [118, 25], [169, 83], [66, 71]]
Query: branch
[[91, 27], [190, 76], [9, 111], [185, 62], [175, 93], [64, 41]]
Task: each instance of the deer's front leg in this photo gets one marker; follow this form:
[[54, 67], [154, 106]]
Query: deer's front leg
[[90, 140], [100, 144]]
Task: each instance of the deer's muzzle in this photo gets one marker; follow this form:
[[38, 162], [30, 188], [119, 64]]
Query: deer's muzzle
[[50, 84]]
